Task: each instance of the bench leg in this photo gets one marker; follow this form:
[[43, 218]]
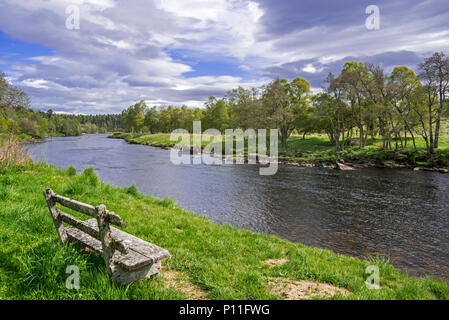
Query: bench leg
[[105, 237], [125, 277], [48, 193]]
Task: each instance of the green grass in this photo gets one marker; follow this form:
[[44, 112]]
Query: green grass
[[157, 140], [223, 261], [317, 148]]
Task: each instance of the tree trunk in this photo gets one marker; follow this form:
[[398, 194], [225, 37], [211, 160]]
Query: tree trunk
[[431, 150], [284, 137], [440, 111]]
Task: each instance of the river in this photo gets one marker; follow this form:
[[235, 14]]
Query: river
[[399, 214]]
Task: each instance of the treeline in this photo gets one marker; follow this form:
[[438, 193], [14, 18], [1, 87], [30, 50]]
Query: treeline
[[364, 101], [99, 123], [17, 118], [355, 107]]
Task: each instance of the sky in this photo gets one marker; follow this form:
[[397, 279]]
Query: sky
[[181, 52]]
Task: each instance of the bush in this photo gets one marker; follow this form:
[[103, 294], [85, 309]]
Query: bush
[[132, 190], [91, 176], [12, 154], [71, 171]]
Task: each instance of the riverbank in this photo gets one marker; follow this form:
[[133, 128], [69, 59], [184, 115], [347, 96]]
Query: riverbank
[[316, 151], [209, 261], [24, 139]]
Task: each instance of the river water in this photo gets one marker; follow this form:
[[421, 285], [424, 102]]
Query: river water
[[399, 214]]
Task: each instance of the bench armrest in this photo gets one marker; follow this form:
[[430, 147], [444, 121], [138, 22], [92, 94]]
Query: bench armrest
[[119, 245]]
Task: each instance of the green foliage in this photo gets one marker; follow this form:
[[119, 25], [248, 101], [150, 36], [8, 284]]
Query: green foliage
[[99, 123], [132, 190], [17, 118], [359, 104], [318, 148], [133, 117], [216, 115], [71, 171], [91, 176]]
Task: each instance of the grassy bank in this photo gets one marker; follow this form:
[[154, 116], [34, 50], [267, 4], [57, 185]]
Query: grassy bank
[[318, 149], [208, 261]]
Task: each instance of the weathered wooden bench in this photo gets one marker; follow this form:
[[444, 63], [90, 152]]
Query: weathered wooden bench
[[127, 258]]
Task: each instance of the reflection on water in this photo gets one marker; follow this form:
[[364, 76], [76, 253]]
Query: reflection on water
[[400, 214]]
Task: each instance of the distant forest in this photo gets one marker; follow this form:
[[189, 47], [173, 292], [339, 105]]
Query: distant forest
[[17, 118]]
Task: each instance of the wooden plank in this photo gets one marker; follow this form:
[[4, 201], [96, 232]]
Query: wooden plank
[[120, 272], [81, 225], [140, 252], [86, 240], [125, 277], [76, 205], [114, 219], [87, 209], [142, 247]]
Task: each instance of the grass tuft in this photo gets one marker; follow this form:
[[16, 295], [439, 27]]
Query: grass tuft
[[132, 190], [71, 171], [12, 154]]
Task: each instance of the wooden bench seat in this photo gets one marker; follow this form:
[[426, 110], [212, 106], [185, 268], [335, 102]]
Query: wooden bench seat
[[127, 257]]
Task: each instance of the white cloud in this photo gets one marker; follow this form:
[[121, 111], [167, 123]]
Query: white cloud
[[38, 83], [118, 54], [309, 68]]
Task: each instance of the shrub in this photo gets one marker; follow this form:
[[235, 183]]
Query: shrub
[[132, 190], [71, 171], [91, 176], [12, 154]]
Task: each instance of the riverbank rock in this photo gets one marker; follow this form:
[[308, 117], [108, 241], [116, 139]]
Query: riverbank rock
[[343, 167], [440, 170]]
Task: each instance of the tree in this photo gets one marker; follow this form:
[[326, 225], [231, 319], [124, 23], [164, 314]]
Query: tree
[[133, 118], [354, 79], [435, 74], [334, 105], [430, 86], [152, 120], [243, 108], [71, 127], [299, 92], [216, 115], [404, 83], [279, 101], [3, 89]]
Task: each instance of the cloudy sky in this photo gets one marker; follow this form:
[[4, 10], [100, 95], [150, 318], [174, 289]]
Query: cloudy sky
[[182, 51]]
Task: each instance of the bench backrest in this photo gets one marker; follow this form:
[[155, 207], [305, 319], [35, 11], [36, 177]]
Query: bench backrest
[[103, 216]]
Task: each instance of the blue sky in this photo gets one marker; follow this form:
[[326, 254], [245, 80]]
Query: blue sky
[[12, 51], [181, 52]]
